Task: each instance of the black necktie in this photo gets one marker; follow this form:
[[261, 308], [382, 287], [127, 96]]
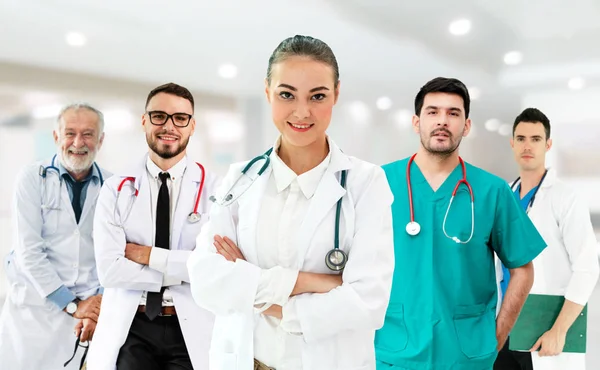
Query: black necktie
[[77, 186], [161, 240]]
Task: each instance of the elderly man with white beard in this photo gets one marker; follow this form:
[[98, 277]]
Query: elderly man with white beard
[[54, 296]]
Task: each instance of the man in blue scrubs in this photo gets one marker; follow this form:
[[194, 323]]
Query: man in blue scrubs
[[442, 311]]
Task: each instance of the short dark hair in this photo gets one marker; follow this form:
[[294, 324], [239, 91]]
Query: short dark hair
[[173, 89], [533, 115], [443, 85], [307, 46]]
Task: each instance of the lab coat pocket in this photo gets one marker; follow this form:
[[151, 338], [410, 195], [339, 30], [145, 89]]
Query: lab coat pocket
[[393, 337], [475, 327], [222, 361]]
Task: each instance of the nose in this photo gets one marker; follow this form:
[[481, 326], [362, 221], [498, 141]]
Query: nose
[[170, 124], [78, 142], [442, 119], [301, 111]]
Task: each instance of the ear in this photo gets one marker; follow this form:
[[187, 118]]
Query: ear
[[267, 93], [336, 93], [193, 126], [548, 144], [512, 142], [101, 140], [467, 127], [416, 124], [55, 135]]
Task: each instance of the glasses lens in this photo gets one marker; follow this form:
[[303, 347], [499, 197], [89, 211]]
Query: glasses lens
[[158, 118], [181, 119]]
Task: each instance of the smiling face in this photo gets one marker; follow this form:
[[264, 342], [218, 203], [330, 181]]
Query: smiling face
[[168, 140], [78, 137], [441, 123], [529, 145], [302, 93]]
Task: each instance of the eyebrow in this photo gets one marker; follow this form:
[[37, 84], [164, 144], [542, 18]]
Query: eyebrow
[[533, 136], [433, 107], [314, 89]]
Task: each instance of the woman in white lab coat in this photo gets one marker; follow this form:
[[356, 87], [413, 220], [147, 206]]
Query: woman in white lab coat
[[569, 265], [260, 262]]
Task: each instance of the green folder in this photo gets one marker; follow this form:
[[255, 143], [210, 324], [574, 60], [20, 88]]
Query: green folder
[[537, 317]]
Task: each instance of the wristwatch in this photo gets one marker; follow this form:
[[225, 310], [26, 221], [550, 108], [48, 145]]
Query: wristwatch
[[72, 306]]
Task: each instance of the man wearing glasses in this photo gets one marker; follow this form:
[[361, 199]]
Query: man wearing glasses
[[145, 229]]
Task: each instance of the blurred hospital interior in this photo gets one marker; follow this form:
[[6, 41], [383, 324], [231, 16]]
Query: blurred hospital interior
[[511, 54]]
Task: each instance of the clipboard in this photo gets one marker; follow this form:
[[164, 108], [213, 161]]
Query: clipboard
[[537, 317]]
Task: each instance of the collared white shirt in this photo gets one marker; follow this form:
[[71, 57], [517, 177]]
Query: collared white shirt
[[159, 256], [284, 206]]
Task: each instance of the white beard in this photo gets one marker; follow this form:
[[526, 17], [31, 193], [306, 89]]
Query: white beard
[[76, 164]]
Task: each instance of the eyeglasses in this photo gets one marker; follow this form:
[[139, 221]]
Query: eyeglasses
[[159, 118]]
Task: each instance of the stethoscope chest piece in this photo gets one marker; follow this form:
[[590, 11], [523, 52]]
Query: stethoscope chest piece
[[413, 228], [336, 259], [193, 217]]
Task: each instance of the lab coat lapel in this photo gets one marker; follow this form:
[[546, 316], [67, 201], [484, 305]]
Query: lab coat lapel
[[249, 204], [185, 200], [66, 200], [136, 226], [324, 201]]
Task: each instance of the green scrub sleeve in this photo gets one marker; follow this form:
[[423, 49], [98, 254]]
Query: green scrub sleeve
[[514, 237]]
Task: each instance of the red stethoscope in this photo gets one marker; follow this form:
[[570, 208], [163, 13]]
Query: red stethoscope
[[413, 227], [193, 217]]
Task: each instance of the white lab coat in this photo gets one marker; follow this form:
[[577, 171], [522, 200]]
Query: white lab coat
[[569, 265], [49, 250], [338, 328], [125, 281]]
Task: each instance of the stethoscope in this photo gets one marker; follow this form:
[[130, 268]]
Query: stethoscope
[[336, 258], [44, 174], [193, 217], [413, 227], [530, 204]]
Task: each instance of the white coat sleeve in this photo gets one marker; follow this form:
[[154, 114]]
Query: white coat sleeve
[[362, 300], [580, 242], [223, 287], [30, 245], [114, 270]]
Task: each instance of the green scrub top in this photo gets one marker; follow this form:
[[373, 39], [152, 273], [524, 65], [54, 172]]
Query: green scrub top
[[442, 310]]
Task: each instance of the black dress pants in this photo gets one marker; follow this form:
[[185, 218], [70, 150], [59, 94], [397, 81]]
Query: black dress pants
[[154, 345], [512, 360]]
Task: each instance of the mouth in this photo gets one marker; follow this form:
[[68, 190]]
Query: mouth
[[78, 153], [527, 156], [440, 135], [168, 139], [301, 127]]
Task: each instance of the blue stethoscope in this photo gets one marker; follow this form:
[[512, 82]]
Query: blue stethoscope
[[336, 258], [530, 204], [44, 174]]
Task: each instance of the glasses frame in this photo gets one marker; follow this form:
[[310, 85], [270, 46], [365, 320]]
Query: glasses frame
[[169, 116]]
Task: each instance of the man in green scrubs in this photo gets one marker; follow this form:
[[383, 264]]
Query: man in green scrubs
[[442, 310]]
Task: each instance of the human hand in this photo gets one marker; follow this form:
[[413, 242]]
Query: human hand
[[551, 342], [138, 253], [89, 308], [274, 311], [227, 248], [308, 282], [84, 329]]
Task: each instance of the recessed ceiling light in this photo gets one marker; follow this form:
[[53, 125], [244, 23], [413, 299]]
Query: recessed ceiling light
[[474, 92], [513, 58], [460, 27], [384, 103], [359, 111], [228, 71], [576, 83], [505, 129], [75, 39], [492, 124], [403, 118]]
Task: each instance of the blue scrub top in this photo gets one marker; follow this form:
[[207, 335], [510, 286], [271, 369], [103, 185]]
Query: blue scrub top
[[524, 203], [442, 310]]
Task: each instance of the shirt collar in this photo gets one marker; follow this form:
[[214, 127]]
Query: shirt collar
[[64, 173], [284, 176], [175, 172]]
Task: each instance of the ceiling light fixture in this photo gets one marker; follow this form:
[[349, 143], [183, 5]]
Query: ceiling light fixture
[[384, 103], [513, 58], [576, 83], [460, 27], [75, 39], [228, 71]]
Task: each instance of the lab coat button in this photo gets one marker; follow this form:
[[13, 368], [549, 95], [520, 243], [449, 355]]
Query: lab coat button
[[76, 232]]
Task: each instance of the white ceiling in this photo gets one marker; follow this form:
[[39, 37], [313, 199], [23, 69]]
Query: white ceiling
[[384, 47]]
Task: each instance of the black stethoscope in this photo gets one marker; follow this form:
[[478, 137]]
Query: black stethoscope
[[336, 258], [530, 204], [413, 227]]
